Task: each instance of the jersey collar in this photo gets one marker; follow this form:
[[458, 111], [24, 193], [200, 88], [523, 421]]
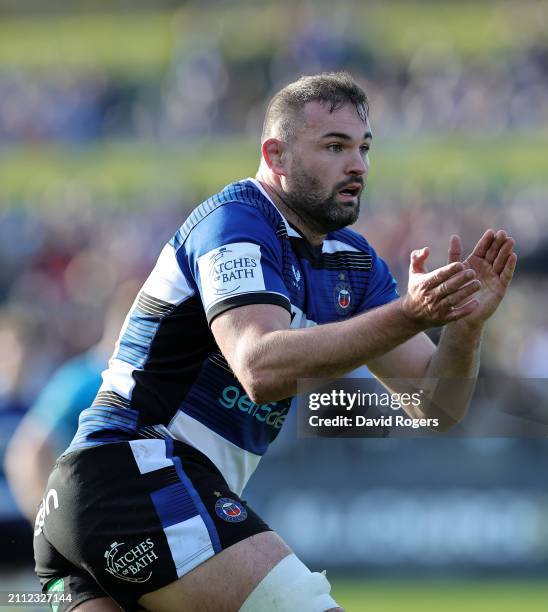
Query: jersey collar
[[291, 231]]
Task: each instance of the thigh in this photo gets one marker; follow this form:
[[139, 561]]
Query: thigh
[[139, 515], [222, 583], [70, 587]]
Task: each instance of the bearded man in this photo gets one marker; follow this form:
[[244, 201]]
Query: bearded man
[[263, 285]]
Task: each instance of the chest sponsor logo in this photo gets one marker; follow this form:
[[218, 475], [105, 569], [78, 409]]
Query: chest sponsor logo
[[131, 563], [230, 510], [343, 297], [229, 270], [233, 398], [49, 503]]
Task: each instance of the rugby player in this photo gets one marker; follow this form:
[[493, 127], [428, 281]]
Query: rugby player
[[262, 285]]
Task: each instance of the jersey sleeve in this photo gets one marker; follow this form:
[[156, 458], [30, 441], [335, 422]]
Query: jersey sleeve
[[235, 259], [382, 286]]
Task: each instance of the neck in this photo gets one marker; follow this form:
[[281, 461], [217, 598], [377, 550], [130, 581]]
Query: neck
[[274, 189]]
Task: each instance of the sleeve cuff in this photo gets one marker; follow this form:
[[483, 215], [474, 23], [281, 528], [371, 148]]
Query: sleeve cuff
[[246, 299]]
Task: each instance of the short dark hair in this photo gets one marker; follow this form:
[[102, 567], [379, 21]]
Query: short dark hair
[[333, 88]]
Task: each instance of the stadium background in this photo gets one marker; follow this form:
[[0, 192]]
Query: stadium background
[[117, 118]]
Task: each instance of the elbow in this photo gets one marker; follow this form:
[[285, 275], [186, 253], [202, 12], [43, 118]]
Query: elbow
[[263, 378], [261, 391], [262, 387]]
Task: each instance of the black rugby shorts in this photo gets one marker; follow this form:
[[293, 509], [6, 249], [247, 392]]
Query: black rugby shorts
[[127, 518]]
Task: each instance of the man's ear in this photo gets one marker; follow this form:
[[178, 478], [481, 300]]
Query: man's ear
[[275, 154]]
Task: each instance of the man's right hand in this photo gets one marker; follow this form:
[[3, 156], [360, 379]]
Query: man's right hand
[[441, 296]]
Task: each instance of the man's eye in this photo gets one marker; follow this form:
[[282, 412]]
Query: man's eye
[[336, 147], [364, 150]]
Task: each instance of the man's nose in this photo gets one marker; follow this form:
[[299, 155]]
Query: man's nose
[[359, 165]]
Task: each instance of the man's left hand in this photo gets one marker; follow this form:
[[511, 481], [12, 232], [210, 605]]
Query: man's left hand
[[494, 261]]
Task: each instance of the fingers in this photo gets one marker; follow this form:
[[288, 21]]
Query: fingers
[[433, 297], [508, 271], [481, 248], [455, 249], [455, 282], [462, 311], [455, 299], [418, 259], [442, 274], [502, 256], [494, 248]]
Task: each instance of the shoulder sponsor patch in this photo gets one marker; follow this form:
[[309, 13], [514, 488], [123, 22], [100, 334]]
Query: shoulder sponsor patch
[[230, 270]]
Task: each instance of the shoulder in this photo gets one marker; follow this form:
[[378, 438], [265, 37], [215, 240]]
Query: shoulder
[[239, 205]]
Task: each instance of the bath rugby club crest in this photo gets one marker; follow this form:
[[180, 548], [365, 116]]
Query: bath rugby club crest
[[230, 510], [343, 297]]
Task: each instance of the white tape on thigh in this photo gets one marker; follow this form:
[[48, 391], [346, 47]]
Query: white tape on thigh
[[288, 587]]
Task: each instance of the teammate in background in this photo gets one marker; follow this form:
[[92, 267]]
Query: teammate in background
[[261, 286], [50, 424]]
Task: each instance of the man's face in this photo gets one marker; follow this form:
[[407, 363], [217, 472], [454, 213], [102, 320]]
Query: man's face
[[327, 166]]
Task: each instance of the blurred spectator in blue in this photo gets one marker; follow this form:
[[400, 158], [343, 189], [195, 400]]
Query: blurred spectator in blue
[[47, 428]]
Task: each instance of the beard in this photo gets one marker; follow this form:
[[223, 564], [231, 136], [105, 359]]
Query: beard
[[316, 205]]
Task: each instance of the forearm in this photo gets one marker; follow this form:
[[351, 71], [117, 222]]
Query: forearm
[[458, 352], [282, 357], [27, 465], [452, 372]]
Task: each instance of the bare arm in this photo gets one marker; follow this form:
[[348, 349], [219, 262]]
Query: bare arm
[[28, 462], [449, 371], [269, 359]]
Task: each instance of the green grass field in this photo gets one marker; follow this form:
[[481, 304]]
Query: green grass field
[[125, 171], [145, 40], [422, 596]]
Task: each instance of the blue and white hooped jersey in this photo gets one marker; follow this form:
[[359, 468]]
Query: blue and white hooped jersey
[[167, 377]]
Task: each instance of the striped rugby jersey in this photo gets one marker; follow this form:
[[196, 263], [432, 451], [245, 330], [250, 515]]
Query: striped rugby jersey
[[167, 377]]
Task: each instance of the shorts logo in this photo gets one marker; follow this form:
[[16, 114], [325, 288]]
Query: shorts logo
[[230, 270], [130, 564], [45, 508], [230, 510], [343, 297]]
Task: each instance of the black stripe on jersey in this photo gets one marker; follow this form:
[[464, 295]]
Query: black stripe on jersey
[[149, 431], [281, 230], [245, 299], [149, 305], [163, 477], [219, 360], [180, 345], [348, 260], [341, 260], [110, 399]]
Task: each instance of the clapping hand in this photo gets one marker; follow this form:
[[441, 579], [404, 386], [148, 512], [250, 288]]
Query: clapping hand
[[468, 290], [493, 260]]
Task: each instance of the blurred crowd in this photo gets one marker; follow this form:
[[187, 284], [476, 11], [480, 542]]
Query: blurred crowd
[[202, 91]]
